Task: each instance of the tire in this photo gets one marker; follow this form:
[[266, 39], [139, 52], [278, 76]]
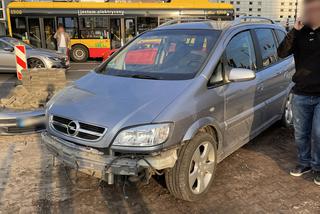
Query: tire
[[184, 179], [35, 63], [79, 53], [287, 118]]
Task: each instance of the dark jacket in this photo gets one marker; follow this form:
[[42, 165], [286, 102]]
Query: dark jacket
[[305, 46]]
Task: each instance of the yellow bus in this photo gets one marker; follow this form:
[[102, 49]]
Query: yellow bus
[[99, 28]]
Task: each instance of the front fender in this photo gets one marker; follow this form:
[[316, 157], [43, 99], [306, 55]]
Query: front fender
[[203, 122]]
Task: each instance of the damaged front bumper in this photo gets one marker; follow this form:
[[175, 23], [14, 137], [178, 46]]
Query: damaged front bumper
[[96, 163]]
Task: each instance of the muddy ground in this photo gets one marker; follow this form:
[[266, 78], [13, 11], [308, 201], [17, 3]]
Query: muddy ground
[[253, 180]]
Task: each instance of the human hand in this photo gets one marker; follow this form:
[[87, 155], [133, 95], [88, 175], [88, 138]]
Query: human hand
[[298, 25]]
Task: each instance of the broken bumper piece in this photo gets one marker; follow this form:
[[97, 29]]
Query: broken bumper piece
[[98, 164]]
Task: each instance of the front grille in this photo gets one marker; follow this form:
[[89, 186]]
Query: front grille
[[79, 130]]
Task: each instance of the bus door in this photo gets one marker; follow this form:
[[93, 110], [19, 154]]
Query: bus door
[[129, 29], [122, 30], [41, 32], [49, 28], [116, 33]]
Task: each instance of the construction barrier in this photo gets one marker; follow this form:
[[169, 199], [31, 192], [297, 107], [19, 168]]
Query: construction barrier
[[21, 60]]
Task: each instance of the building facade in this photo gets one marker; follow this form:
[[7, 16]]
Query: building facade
[[2, 18], [279, 10]]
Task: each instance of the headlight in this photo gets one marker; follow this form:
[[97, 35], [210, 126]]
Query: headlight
[[148, 135]]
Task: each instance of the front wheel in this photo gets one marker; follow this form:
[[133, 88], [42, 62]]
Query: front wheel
[[194, 170], [35, 63]]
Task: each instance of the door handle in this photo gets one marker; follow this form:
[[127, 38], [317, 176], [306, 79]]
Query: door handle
[[260, 87]]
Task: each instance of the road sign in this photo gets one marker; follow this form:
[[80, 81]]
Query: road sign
[[21, 60]]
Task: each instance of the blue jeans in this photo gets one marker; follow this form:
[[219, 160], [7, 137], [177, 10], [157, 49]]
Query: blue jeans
[[63, 50], [306, 112]]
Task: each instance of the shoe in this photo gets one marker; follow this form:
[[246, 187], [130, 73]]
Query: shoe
[[300, 170], [317, 177]]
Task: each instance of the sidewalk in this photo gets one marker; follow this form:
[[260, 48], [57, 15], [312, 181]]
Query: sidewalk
[[253, 180]]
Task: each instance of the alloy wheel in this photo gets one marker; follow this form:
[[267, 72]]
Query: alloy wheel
[[202, 167], [288, 111]]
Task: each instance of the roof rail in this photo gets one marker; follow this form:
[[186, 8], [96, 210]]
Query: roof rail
[[243, 19], [176, 21]]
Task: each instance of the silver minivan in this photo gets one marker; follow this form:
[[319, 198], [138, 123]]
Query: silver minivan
[[175, 101]]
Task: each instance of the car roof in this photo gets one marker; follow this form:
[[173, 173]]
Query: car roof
[[218, 25]]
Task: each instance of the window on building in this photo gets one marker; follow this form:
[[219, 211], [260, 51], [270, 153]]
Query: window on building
[[250, 9], [238, 2], [251, 3], [259, 9], [259, 3], [237, 9], [268, 46], [231, 2]]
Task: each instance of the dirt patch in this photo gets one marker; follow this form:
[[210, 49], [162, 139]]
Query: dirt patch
[[253, 180], [36, 89]]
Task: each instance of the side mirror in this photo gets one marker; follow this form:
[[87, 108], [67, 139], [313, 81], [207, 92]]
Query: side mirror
[[9, 49], [241, 75]]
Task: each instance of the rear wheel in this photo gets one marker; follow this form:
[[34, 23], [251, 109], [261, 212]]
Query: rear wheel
[[35, 63], [194, 170], [287, 118], [79, 53]]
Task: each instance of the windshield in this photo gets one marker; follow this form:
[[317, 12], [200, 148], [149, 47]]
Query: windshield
[[14, 42], [163, 54]]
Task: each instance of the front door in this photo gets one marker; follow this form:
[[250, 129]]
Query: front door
[[7, 59], [242, 115]]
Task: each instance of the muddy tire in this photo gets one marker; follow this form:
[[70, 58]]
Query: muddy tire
[[193, 173], [79, 53]]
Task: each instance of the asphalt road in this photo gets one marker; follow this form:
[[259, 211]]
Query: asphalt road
[[77, 70]]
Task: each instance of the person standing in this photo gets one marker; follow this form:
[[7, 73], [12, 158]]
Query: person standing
[[63, 40], [304, 43]]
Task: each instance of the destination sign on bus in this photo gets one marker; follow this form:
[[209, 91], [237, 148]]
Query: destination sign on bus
[[100, 12]]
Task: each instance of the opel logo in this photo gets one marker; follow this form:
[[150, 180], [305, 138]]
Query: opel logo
[[73, 128]]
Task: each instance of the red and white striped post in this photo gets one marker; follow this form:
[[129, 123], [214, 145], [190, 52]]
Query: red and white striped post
[[21, 60]]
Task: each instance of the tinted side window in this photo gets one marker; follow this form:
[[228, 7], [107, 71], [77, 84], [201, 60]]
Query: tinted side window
[[267, 46], [281, 35], [240, 52]]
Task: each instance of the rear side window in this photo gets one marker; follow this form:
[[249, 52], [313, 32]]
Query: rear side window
[[240, 52], [281, 35], [267, 46]]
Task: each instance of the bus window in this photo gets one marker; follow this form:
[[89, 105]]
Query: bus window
[[130, 29], [71, 26], [19, 28], [94, 27], [146, 23]]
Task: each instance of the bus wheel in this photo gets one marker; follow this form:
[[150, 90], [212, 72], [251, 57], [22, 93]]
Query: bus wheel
[[79, 53]]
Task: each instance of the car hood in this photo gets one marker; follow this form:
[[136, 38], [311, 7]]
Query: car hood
[[116, 102]]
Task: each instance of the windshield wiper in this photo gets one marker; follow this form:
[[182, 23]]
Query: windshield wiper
[[138, 76], [143, 76]]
